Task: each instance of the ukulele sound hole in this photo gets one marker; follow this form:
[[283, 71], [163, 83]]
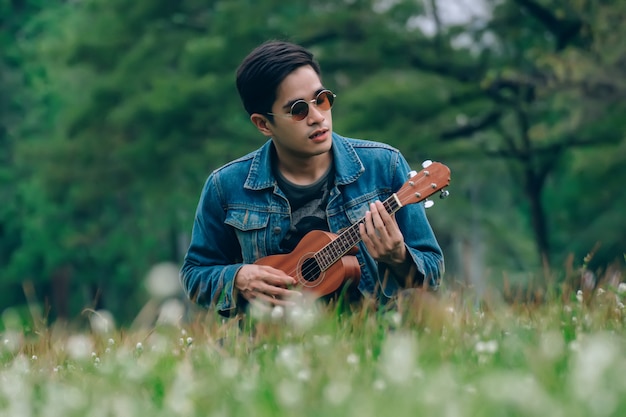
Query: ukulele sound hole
[[310, 270]]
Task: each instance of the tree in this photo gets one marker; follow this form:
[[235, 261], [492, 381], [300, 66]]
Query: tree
[[15, 105], [531, 93]]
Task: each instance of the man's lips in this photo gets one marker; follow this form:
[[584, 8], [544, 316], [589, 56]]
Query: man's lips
[[319, 132]]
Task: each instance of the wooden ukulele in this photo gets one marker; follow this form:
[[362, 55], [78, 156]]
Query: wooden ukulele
[[322, 261]]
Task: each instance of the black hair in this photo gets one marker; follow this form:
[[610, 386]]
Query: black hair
[[262, 71]]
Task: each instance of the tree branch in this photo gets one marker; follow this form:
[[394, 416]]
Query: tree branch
[[441, 66], [569, 143], [473, 126], [564, 30]]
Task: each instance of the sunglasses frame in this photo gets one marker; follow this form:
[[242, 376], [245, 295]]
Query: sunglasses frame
[[330, 97]]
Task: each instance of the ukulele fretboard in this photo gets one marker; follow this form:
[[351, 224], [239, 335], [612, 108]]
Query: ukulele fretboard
[[339, 247]]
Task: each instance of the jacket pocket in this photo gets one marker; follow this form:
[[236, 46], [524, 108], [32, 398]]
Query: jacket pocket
[[356, 208], [251, 229], [356, 213]]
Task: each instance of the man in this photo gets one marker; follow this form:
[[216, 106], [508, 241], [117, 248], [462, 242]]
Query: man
[[305, 177]]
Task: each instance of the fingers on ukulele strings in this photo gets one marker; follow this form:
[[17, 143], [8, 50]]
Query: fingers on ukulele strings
[[280, 280], [373, 225], [380, 219]]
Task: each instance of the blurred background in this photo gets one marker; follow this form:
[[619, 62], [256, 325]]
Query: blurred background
[[114, 112]]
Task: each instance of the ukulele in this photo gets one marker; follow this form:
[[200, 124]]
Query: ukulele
[[322, 261]]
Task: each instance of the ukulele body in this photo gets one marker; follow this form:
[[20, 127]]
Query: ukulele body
[[303, 265]]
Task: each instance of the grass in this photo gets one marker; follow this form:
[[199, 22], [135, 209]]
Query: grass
[[434, 356]]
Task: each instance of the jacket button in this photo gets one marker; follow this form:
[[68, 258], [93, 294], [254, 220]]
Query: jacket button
[[277, 230]]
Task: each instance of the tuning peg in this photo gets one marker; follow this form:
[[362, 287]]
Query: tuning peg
[[426, 163], [428, 203], [444, 194], [411, 174]]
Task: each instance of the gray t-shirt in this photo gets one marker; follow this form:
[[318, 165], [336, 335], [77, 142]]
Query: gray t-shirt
[[308, 207]]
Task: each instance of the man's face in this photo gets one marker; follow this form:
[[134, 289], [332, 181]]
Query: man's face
[[305, 138]]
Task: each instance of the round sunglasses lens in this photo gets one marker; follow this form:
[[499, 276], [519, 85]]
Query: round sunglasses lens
[[299, 110], [325, 100]]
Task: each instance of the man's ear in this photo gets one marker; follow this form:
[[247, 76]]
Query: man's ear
[[261, 123]]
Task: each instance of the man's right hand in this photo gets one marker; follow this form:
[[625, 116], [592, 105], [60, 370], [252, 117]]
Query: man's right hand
[[267, 284]]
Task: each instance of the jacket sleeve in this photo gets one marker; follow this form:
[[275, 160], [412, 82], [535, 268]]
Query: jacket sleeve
[[214, 254], [419, 237]]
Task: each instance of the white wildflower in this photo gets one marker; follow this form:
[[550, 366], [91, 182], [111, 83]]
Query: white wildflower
[[395, 319], [322, 340], [595, 358], [21, 365], [303, 375], [336, 392], [278, 312], [552, 345], [398, 357], [289, 393], [488, 347], [63, 400], [579, 296], [518, 389], [302, 316], [259, 311], [230, 368], [621, 288], [353, 359], [379, 385], [102, 322], [178, 398], [123, 406], [163, 281], [588, 280], [79, 346], [470, 389], [171, 312], [158, 343], [12, 341], [291, 358], [248, 385]]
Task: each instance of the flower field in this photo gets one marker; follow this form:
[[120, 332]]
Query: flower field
[[441, 355]]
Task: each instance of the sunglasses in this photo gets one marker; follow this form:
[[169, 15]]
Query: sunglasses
[[300, 109]]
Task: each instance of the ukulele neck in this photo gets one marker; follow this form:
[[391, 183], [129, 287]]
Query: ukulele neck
[[349, 238]]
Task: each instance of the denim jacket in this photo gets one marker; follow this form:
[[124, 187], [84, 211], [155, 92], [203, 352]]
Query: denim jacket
[[242, 216]]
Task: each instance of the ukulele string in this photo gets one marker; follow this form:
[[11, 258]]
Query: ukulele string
[[329, 254]]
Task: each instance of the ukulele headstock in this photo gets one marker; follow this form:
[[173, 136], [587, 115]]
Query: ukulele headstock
[[434, 177]]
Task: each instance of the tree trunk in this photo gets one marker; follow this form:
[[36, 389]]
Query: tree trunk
[[534, 184]]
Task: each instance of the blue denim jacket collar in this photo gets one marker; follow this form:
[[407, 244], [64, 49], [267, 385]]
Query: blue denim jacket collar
[[348, 166]]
